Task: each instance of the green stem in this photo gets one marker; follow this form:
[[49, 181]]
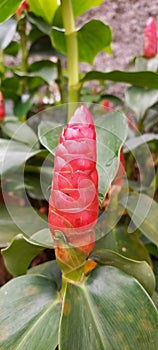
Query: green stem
[[24, 50], [60, 80], [72, 54]]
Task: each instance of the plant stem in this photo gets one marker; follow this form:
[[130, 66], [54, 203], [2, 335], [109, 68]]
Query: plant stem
[[72, 54], [24, 51], [60, 81]]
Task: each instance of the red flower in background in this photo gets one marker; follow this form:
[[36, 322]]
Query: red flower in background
[[150, 38], [23, 7], [73, 205], [2, 107]]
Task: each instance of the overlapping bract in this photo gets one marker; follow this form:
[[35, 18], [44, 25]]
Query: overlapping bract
[[73, 206], [150, 38]]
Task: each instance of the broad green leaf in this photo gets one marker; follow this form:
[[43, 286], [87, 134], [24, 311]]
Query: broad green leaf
[[50, 269], [9, 86], [79, 7], [120, 241], [42, 69], [93, 37], [139, 100], [12, 49], [19, 254], [39, 23], [141, 79], [21, 108], [143, 212], [8, 8], [13, 154], [44, 238], [135, 142], [20, 132], [49, 133], [30, 313], [111, 130], [44, 8], [20, 220], [113, 312], [7, 32], [43, 46], [138, 269]]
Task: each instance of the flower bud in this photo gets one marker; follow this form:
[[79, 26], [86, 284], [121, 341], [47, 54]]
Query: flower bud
[[23, 7], [73, 205], [150, 38]]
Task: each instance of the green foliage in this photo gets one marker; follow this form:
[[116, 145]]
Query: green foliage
[[8, 8]]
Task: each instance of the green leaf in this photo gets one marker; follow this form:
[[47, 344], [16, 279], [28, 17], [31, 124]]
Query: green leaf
[[135, 142], [49, 134], [7, 32], [8, 8], [43, 69], [15, 257], [13, 154], [142, 79], [79, 7], [20, 220], [128, 245], [39, 23], [143, 63], [143, 212], [9, 86], [32, 301], [93, 37], [44, 8], [138, 269], [21, 108], [12, 49], [50, 269], [139, 100], [20, 132], [44, 238], [111, 131], [113, 312]]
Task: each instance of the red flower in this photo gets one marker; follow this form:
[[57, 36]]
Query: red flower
[[150, 38], [23, 7], [73, 205], [2, 107]]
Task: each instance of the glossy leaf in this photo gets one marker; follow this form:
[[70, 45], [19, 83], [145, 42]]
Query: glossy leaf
[[139, 100], [14, 154], [93, 37], [12, 49], [19, 254], [143, 63], [141, 79], [42, 69], [8, 8], [111, 132], [39, 23], [44, 8], [80, 7], [113, 312], [138, 269], [21, 220], [9, 86], [49, 134], [135, 142], [143, 212], [7, 32], [50, 269], [43, 237], [120, 241], [32, 301], [21, 108], [20, 132]]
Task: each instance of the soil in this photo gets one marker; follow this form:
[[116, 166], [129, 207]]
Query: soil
[[127, 20]]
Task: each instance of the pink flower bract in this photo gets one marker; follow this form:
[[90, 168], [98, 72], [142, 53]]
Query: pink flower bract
[[150, 38], [73, 205]]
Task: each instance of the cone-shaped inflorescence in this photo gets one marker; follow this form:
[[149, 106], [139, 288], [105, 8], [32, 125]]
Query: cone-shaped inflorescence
[[150, 38], [73, 205]]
